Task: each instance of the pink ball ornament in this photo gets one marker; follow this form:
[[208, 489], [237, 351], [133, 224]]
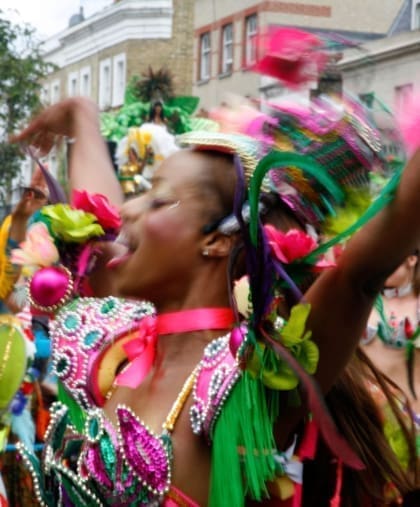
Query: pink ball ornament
[[237, 337], [50, 287]]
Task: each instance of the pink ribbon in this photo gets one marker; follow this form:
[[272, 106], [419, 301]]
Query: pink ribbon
[[140, 354], [140, 350]]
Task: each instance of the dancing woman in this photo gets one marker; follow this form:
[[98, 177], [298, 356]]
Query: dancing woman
[[198, 413]]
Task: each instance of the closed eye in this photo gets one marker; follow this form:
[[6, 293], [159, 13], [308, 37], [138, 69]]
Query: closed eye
[[157, 203]]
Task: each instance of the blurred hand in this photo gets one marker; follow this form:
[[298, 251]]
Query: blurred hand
[[31, 201], [58, 120], [33, 197]]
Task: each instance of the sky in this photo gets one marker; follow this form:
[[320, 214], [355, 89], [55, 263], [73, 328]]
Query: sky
[[48, 16]]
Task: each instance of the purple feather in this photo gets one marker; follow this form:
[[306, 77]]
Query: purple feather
[[57, 193]]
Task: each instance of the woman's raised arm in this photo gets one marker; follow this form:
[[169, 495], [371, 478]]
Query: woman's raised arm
[[90, 167], [341, 298]]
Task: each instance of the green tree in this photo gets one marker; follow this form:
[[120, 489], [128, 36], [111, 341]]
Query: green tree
[[21, 71]]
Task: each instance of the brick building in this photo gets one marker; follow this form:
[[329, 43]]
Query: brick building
[[97, 56], [224, 36]]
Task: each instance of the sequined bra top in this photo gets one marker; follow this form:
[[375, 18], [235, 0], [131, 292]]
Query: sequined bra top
[[87, 459]]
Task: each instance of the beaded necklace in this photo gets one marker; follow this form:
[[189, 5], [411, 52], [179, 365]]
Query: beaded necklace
[[392, 332]]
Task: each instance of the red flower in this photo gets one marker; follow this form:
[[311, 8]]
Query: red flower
[[292, 56], [98, 205], [289, 246], [292, 245]]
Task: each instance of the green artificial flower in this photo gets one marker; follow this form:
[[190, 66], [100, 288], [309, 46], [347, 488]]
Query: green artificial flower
[[293, 332], [274, 372], [396, 438], [295, 337], [72, 225]]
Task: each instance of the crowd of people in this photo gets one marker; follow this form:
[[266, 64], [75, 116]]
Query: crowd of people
[[207, 349]]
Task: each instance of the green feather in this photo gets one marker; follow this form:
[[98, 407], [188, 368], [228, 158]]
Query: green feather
[[242, 447], [383, 200], [77, 415], [276, 160]]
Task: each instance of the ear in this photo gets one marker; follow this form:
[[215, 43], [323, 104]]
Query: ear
[[412, 261], [217, 244]]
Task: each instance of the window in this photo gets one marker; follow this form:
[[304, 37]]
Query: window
[[72, 84], [105, 84], [415, 24], [53, 164], [402, 94], [45, 94], [251, 27], [227, 49], [85, 82], [55, 91], [119, 76], [205, 56]]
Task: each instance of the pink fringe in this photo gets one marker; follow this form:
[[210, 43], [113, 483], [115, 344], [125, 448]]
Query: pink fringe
[[408, 120]]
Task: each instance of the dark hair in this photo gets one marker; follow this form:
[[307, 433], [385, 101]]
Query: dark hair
[[153, 111], [360, 420], [416, 274]]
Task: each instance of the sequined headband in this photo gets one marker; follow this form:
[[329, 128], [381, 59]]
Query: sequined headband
[[248, 149]]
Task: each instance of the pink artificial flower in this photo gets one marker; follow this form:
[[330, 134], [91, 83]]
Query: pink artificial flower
[[98, 205], [289, 246], [291, 55], [293, 245]]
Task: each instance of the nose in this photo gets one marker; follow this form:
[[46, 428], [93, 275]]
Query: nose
[[132, 209]]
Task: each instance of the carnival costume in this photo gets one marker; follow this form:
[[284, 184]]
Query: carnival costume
[[397, 334], [310, 157], [7, 273], [139, 155]]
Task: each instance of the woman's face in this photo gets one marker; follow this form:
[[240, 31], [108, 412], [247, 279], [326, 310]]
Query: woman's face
[[404, 274], [162, 230]]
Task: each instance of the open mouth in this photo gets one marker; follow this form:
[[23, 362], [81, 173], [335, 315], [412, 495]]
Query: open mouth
[[124, 250]]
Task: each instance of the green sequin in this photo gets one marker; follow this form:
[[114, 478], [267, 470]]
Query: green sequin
[[108, 306], [91, 338], [71, 322], [93, 428], [62, 364]]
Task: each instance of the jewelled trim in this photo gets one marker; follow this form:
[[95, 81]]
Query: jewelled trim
[[82, 331], [217, 375], [246, 148], [144, 452]]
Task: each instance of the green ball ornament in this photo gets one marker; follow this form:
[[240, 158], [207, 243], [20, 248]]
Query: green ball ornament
[[13, 359]]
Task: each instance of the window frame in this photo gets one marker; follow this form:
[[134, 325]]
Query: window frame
[[204, 56], [105, 88], [415, 16], [401, 94], [226, 64], [55, 91], [85, 72], [73, 91], [250, 40], [119, 80]]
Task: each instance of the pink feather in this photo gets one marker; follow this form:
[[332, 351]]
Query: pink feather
[[408, 120], [291, 55]]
